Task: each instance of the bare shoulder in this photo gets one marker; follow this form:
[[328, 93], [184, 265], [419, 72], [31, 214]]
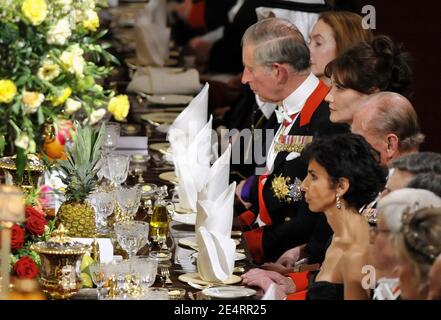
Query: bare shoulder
[[353, 262]]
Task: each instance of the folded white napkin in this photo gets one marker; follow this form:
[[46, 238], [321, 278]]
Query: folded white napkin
[[215, 259], [218, 178], [192, 166], [189, 122], [151, 34], [216, 215], [270, 294], [154, 80]]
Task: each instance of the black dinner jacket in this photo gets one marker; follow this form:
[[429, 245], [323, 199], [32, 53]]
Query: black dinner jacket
[[293, 223]]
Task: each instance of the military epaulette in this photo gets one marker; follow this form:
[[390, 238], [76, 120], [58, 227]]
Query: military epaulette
[[290, 143]]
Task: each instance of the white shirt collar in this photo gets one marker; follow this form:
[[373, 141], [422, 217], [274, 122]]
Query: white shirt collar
[[295, 101], [267, 108]]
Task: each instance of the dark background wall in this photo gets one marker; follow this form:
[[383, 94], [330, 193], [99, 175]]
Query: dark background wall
[[417, 25]]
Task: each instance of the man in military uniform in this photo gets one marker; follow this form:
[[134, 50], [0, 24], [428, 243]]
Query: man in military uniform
[[276, 67]]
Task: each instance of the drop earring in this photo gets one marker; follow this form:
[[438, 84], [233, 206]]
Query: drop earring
[[338, 202]]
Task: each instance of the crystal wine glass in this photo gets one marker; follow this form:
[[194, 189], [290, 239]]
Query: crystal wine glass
[[146, 268], [111, 137], [104, 204], [118, 165], [132, 236], [129, 199], [99, 273]]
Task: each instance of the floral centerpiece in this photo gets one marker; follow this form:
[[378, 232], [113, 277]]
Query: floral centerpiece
[[25, 263], [50, 68]]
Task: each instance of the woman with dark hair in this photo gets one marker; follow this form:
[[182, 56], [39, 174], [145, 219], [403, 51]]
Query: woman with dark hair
[[343, 175], [366, 68]]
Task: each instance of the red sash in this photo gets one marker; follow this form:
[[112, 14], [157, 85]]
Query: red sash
[[308, 110], [263, 212]]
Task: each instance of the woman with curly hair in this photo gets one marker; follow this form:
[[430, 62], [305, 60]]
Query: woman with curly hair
[[343, 175]]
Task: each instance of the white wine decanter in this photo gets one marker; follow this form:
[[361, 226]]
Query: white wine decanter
[[159, 225]]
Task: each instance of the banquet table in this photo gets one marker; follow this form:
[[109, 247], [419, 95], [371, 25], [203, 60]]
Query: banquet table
[[181, 261]]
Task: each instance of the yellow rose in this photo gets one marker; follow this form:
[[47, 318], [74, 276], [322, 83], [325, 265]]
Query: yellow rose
[[62, 97], [119, 107], [8, 90], [92, 21], [35, 11]]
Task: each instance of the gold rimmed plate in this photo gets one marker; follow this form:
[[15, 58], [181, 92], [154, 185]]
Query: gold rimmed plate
[[190, 242], [196, 278], [228, 292], [237, 256], [160, 147], [169, 99], [189, 218], [158, 118], [169, 176]]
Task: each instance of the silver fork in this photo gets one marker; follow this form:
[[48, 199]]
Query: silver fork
[[166, 273]]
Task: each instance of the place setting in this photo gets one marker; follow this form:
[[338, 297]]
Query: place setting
[[158, 118], [170, 176], [162, 147], [169, 99], [215, 268]]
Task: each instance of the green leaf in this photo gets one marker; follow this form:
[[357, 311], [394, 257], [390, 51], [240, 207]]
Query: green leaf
[[16, 107], [40, 116], [21, 162], [2, 144]]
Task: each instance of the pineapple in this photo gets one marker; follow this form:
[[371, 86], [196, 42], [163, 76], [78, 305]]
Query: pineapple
[[80, 177]]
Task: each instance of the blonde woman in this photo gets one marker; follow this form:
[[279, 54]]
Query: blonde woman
[[417, 244], [383, 254]]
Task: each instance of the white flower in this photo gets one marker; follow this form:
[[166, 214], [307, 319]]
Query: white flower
[[22, 140], [48, 71], [96, 116], [73, 18], [66, 5], [64, 2], [79, 15], [32, 147], [59, 33], [89, 4], [72, 106], [73, 60], [32, 100]]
